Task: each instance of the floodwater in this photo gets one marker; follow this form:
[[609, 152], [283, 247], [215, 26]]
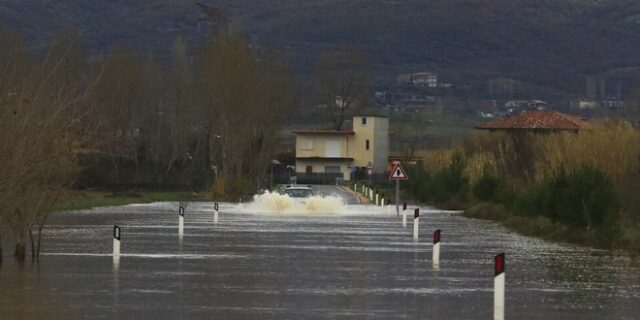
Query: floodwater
[[355, 263]]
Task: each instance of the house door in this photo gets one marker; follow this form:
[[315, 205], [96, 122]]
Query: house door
[[332, 149]]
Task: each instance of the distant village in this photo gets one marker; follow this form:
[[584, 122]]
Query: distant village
[[427, 91]]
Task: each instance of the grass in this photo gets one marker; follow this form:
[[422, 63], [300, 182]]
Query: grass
[[540, 227], [80, 200], [388, 189]]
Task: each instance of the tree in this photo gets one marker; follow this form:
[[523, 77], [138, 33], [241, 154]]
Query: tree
[[243, 103], [342, 82], [42, 129]]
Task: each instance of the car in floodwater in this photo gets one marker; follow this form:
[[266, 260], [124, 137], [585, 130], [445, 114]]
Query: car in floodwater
[[299, 194]]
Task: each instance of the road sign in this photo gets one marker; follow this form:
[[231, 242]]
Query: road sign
[[369, 165], [398, 173]]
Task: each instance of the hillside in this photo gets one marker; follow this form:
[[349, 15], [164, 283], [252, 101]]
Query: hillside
[[548, 43]]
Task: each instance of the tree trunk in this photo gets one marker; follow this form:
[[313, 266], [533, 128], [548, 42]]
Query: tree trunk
[[0, 243], [20, 252], [39, 242], [33, 245]]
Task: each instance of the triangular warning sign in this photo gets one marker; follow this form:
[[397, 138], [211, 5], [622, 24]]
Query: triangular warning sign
[[398, 173]]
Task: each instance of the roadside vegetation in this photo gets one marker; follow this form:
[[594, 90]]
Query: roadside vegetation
[[564, 186], [205, 123]]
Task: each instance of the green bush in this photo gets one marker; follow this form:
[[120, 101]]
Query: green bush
[[487, 211], [450, 183], [584, 199], [448, 187], [418, 183], [485, 189]]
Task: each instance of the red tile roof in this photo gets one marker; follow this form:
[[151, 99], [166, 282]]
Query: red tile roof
[[538, 120]]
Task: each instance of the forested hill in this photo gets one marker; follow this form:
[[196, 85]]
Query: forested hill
[[552, 43]]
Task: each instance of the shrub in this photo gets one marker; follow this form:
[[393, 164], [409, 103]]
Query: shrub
[[487, 211], [584, 199], [486, 186], [451, 182]]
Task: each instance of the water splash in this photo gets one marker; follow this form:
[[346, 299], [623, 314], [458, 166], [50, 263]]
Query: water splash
[[273, 202]]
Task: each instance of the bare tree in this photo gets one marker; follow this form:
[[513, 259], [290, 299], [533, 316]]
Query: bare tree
[[41, 133], [243, 105], [342, 82]]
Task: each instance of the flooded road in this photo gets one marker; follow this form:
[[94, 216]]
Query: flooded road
[[356, 264]]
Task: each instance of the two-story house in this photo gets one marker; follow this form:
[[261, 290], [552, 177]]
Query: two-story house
[[335, 152]]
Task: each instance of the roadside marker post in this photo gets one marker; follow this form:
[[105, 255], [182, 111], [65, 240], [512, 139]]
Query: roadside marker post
[[116, 244], [404, 215], [436, 249], [215, 213], [377, 195], [382, 200], [498, 287], [397, 174], [416, 223], [180, 221]]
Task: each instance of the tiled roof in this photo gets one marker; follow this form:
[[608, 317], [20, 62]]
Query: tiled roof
[[539, 120]]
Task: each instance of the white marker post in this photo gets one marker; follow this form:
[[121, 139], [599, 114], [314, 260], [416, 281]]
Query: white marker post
[[436, 249], [416, 222], [382, 200], [404, 215], [498, 287], [377, 195], [116, 244], [215, 213], [181, 221]]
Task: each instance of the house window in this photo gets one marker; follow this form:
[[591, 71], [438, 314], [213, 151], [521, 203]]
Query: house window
[[309, 169], [364, 121], [367, 145], [308, 144]]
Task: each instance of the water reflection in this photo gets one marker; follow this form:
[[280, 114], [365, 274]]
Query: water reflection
[[357, 264]]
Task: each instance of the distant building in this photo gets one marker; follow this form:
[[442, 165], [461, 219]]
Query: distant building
[[613, 104], [525, 105], [420, 80], [333, 152], [425, 79], [586, 104]]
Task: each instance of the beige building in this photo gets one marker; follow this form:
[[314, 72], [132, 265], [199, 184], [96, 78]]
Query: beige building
[[334, 152]]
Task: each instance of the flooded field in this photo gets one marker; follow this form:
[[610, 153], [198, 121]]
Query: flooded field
[[354, 263]]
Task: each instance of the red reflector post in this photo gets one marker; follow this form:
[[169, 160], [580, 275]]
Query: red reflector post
[[499, 264], [436, 236]]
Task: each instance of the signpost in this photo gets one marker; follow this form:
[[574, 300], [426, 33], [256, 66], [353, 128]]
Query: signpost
[[397, 174]]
